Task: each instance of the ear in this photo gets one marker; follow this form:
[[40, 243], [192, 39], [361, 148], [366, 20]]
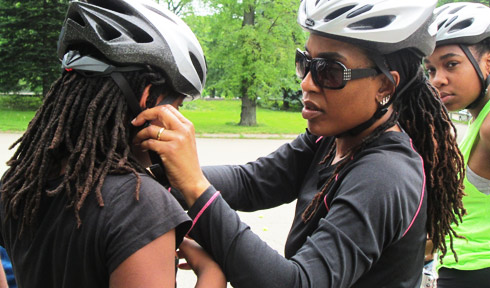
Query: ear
[[486, 62], [144, 96], [387, 87]]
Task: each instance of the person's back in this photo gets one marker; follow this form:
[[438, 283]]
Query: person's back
[[78, 208], [459, 68], [86, 256]]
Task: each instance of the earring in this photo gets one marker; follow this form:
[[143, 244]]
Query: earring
[[385, 100]]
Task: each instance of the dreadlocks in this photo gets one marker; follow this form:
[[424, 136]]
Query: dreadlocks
[[422, 115], [81, 131]]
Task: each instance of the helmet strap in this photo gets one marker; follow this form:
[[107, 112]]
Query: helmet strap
[[379, 112], [379, 61], [123, 84], [157, 169], [484, 82]]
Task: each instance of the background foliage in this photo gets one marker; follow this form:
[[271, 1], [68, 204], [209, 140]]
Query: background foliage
[[29, 31], [249, 46]]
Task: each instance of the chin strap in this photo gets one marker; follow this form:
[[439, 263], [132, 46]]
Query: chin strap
[[157, 169], [484, 82]]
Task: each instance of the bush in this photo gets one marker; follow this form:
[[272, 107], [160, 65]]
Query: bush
[[20, 102]]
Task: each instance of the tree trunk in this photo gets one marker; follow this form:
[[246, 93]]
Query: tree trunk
[[285, 100], [248, 113]]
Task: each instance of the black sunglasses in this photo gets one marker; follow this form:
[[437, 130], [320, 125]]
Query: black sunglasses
[[328, 73]]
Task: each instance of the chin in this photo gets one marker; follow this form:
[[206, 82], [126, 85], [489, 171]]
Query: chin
[[320, 130]]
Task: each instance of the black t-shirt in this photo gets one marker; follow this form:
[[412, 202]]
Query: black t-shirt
[[55, 253], [369, 230]]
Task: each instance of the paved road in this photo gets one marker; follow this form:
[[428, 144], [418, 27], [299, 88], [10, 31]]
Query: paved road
[[271, 225]]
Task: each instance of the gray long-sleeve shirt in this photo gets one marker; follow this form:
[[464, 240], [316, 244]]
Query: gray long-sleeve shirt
[[369, 230]]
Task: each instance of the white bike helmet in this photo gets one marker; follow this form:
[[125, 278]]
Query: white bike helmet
[[134, 32], [382, 26], [462, 23]]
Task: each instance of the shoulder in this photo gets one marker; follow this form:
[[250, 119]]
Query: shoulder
[[387, 173], [391, 155], [125, 185], [121, 195], [485, 132]]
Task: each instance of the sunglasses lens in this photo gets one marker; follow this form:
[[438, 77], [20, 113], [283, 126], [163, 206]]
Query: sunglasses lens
[[301, 63], [329, 74]]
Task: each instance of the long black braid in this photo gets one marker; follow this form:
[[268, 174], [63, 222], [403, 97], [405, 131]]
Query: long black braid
[[422, 115], [83, 127]]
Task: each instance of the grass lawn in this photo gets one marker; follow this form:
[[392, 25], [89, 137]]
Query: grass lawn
[[223, 116], [208, 116], [14, 120]]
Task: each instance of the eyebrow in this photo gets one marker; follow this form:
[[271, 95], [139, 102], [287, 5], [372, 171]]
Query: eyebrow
[[329, 55], [445, 56]]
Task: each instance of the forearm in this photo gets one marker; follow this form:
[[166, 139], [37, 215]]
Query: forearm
[[211, 277], [243, 256]]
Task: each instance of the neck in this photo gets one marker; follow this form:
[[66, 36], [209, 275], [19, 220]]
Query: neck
[[476, 110], [346, 144]]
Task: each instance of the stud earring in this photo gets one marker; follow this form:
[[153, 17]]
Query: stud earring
[[385, 100]]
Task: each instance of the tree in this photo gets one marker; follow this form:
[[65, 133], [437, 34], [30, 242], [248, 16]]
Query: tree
[[178, 7], [442, 2], [249, 46], [29, 32]]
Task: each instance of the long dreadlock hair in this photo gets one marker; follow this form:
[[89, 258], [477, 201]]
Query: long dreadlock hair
[[422, 115], [83, 127]]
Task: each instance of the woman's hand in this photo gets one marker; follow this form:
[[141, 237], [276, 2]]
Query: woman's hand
[[176, 146], [208, 272]]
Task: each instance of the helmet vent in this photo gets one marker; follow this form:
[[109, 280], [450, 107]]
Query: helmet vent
[[461, 25], [159, 13], [372, 23], [455, 10], [359, 11], [337, 13], [115, 6], [441, 24], [107, 32], [197, 66], [442, 9], [76, 17], [451, 21]]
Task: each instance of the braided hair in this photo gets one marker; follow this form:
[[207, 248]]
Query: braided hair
[[82, 130], [424, 118]]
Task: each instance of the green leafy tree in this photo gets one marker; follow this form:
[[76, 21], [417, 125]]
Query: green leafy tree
[[250, 47], [442, 2], [28, 35], [178, 7]]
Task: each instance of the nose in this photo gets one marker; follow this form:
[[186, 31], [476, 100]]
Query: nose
[[439, 79], [308, 85]]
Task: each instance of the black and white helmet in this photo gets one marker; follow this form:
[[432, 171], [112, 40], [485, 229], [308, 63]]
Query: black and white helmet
[[462, 23], [137, 32], [382, 26]]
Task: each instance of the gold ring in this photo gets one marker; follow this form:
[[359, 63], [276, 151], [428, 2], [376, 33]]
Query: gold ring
[[160, 133]]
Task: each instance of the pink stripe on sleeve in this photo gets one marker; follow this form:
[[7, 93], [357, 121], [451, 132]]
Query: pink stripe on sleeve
[[423, 191], [216, 194]]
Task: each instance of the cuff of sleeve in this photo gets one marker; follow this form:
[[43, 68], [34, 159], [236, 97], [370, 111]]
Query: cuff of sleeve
[[201, 204]]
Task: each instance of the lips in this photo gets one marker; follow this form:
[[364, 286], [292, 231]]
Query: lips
[[310, 110], [310, 105], [445, 95]]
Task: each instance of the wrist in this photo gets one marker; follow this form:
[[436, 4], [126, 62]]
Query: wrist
[[192, 193]]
